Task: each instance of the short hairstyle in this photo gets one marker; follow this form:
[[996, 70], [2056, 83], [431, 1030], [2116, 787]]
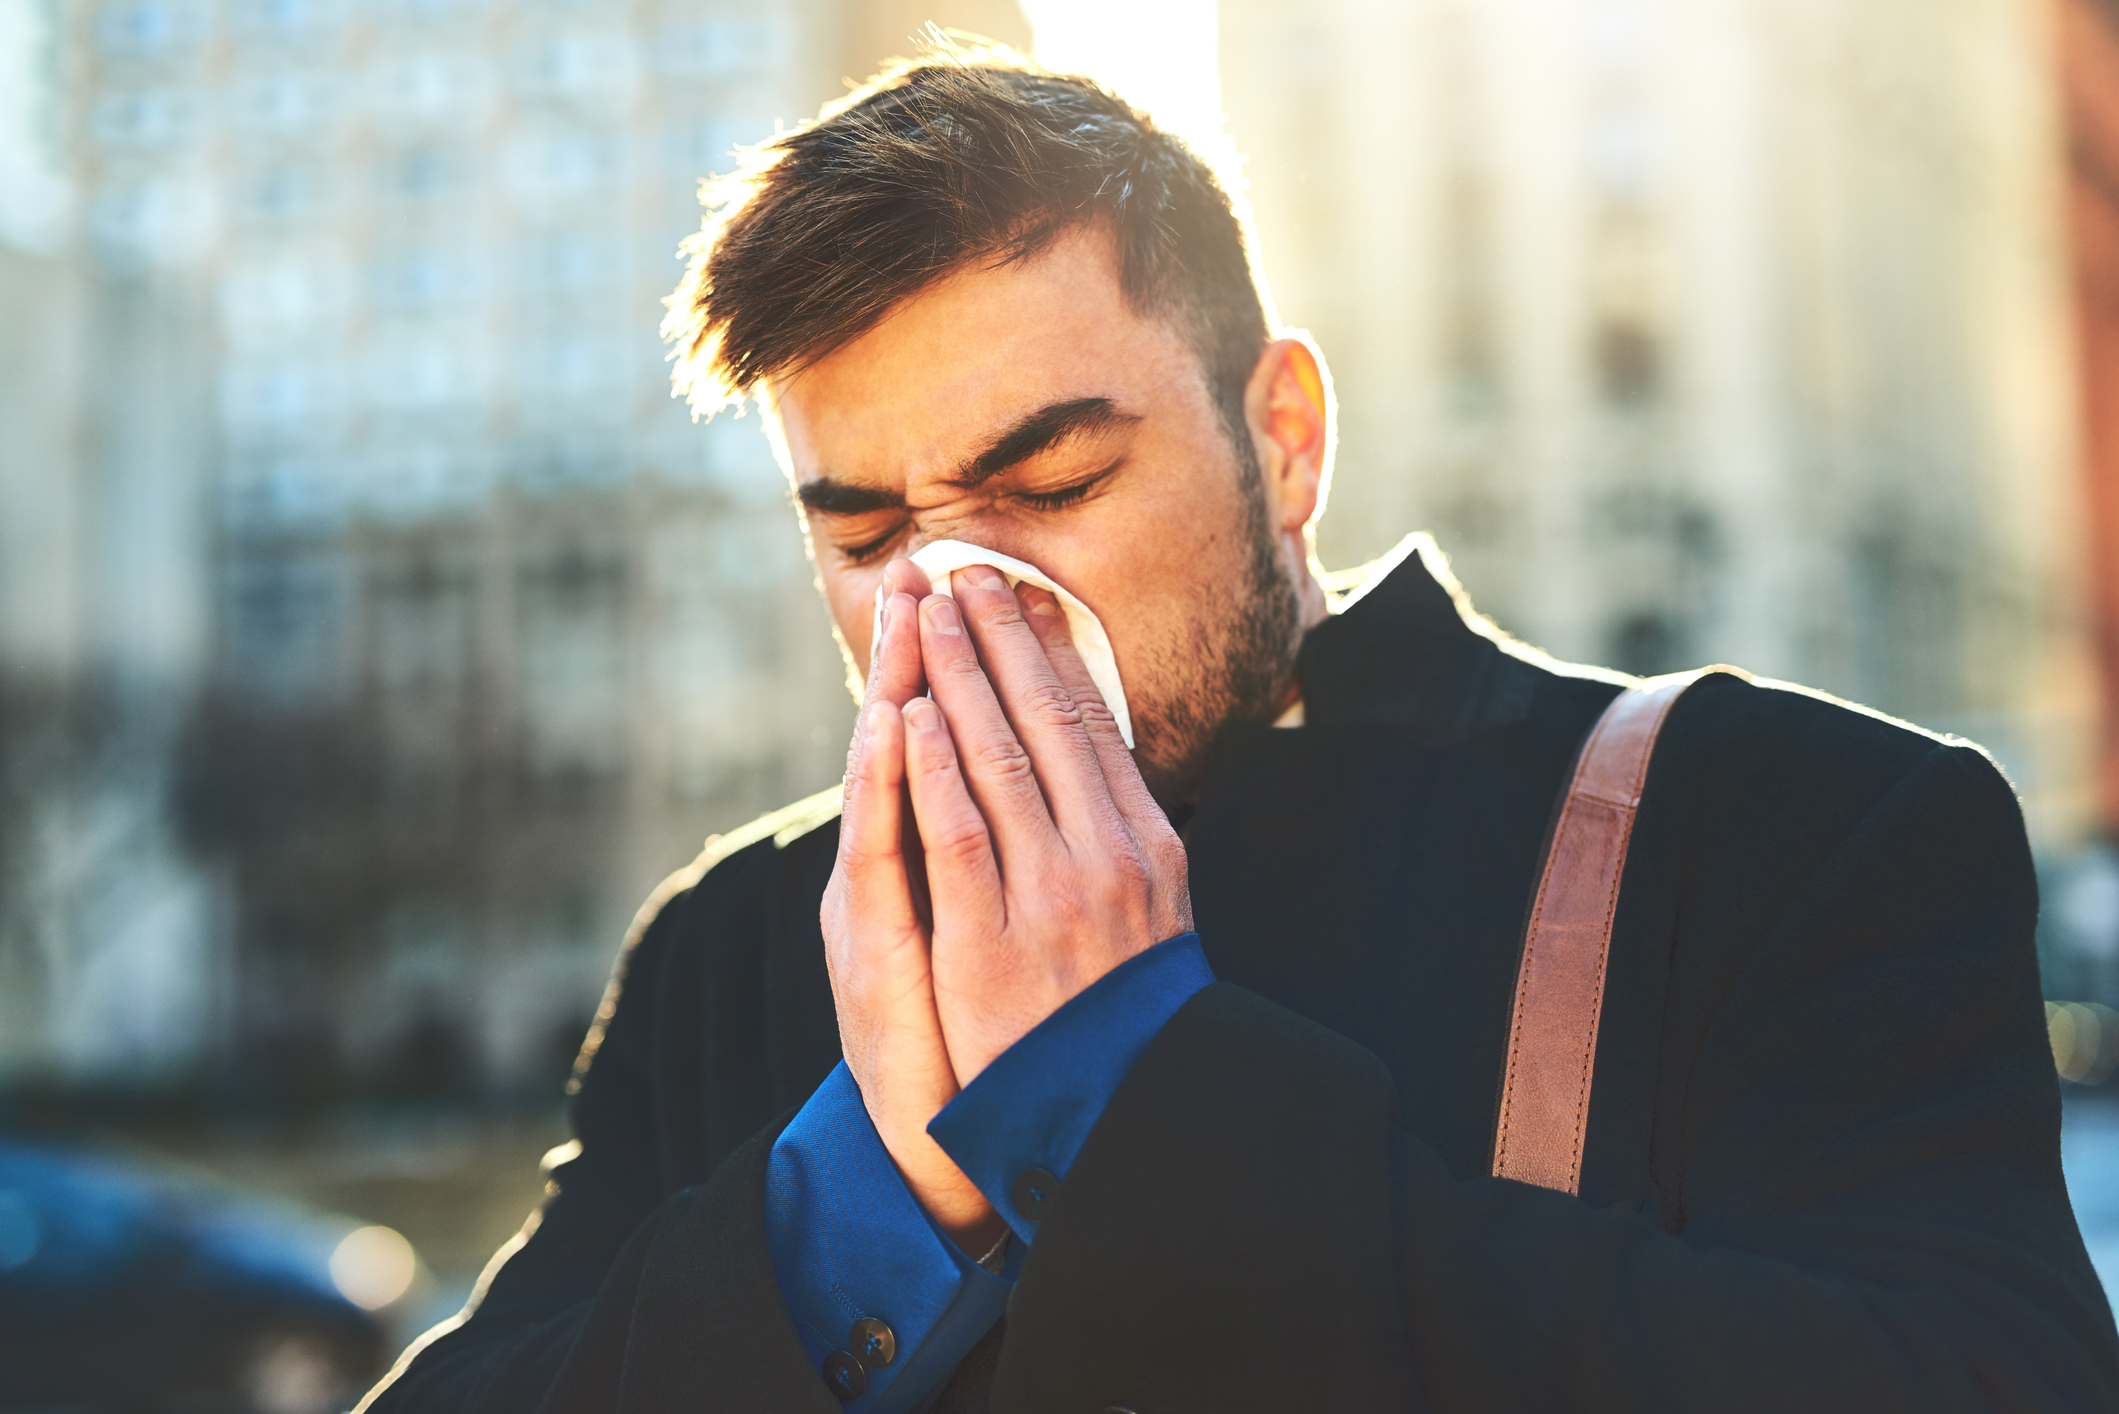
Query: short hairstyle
[[956, 157]]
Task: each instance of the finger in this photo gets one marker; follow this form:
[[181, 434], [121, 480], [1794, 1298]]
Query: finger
[[997, 770], [1142, 816], [895, 672], [872, 825], [1038, 707], [963, 873], [902, 576], [1041, 609], [875, 819]]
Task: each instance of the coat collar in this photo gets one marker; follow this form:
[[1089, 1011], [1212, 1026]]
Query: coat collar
[[1405, 648]]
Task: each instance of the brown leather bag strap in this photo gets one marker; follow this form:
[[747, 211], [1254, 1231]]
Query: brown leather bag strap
[[1552, 1036]]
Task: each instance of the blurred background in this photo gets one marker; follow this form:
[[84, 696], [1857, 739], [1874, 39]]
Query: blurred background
[[375, 631]]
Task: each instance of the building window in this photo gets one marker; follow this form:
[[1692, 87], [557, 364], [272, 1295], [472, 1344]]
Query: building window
[[1628, 358], [145, 120], [285, 622], [150, 28], [289, 21], [284, 105]]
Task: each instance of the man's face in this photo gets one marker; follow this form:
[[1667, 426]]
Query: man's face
[[1028, 410]]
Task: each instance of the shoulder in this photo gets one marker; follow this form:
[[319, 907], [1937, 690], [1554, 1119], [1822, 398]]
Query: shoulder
[[733, 878], [1736, 717], [742, 859], [1787, 769]]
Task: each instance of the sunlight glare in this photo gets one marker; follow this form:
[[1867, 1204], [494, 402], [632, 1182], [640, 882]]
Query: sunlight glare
[[374, 1266], [1162, 56]]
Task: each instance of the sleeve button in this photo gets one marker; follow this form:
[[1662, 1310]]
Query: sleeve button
[[873, 1343], [845, 1376], [1033, 1193]]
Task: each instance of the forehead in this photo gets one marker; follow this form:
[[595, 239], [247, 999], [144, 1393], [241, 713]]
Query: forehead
[[978, 349]]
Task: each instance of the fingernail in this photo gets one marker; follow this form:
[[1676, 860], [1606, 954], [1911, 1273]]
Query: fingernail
[[942, 614], [982, 576], [922, 716], [1040, 603]]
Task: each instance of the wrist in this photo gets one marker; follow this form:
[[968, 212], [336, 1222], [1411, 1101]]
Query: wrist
[[978, 1240], [979, 1033], [940, 1187]]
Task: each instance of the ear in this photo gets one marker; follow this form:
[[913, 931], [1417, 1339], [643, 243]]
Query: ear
[[1288, 404]]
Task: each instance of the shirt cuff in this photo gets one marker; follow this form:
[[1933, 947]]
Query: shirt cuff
[[850, 1243], [1015, 1129]]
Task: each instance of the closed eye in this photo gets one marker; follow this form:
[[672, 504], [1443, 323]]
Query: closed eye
[[862, 554], [1067, 495]]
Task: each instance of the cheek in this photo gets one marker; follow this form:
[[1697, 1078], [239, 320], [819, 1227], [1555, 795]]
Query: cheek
[[1168, 595], [1190, 550]]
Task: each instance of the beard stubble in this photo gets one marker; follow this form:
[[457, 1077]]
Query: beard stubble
[[1247, 642]]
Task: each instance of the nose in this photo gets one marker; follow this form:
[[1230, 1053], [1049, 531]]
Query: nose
[[988, 532], [927, 529]]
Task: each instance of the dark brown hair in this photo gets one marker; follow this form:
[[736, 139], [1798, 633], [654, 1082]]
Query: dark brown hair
[[955, 157]]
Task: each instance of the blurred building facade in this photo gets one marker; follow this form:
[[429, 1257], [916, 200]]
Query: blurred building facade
[[419, 631], [375, 631], [1702, 330], [105, 921], [2088, 50], [2082, 911]]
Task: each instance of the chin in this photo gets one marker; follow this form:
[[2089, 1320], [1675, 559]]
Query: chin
[[1172, 761]]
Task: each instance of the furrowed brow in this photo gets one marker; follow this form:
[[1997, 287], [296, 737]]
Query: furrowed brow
[[1040, 431], [840, 498]]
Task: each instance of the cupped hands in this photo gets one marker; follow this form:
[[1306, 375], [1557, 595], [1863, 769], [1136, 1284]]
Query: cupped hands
[[998, 853]]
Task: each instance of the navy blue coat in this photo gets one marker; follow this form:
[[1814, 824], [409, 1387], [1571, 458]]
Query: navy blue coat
[[1823, 1166]]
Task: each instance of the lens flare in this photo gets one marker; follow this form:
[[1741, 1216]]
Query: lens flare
[[373, 1266]]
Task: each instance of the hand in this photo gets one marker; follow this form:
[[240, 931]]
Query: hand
[[1048, 863], [876, 936]]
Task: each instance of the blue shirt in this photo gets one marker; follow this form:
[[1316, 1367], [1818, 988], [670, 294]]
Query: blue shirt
[[851, 1244]]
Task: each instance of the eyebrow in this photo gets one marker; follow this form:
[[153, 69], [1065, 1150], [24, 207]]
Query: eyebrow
[[843, 498], [1037, 432]]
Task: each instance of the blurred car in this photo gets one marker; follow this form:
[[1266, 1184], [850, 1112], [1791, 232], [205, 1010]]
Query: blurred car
[[124, 1287]]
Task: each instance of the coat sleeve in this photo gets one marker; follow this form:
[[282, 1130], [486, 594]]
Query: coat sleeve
[[620, 1295], [1868, 1211]]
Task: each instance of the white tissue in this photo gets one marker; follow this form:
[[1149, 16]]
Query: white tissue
[[943, 558]]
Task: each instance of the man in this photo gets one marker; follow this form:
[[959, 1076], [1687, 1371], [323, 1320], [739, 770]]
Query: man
[[1058, 1076]]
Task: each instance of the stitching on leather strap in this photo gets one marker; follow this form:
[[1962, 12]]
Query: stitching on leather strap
[[1558, 1000]]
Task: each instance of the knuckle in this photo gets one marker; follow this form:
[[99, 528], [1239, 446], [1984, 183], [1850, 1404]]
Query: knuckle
[[1002, 758], [1095, 713], [1051, 705], [862, 857], [960, 838], [953, 658], [932, 764], [864, 770], [999, 609], [1124, 890], [1160, 849], [1175, 881]]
